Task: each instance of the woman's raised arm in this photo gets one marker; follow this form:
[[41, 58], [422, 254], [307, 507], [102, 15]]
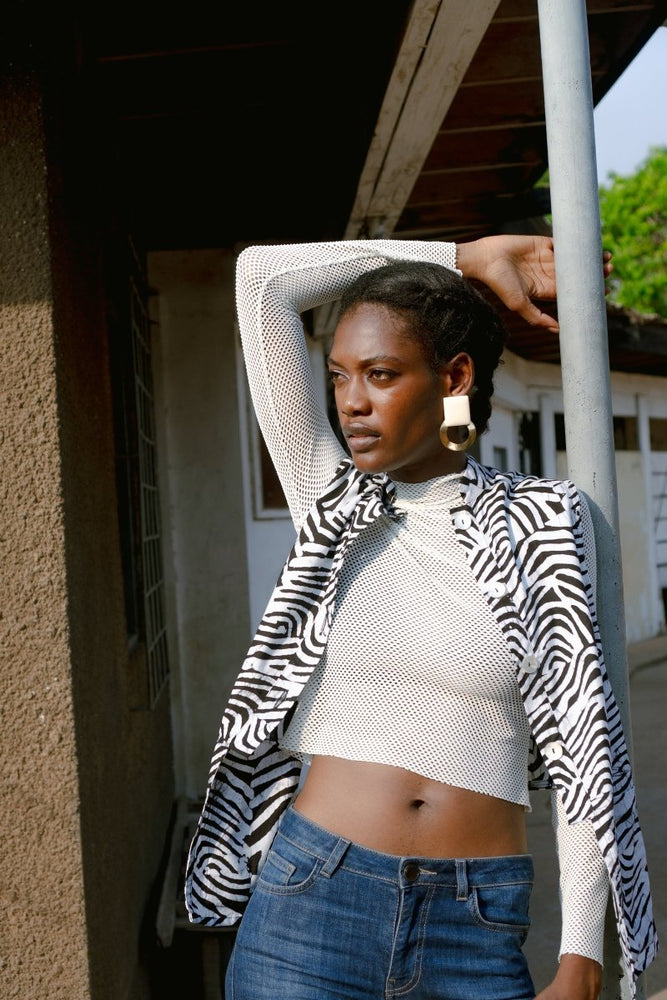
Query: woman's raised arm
[[276, 284]]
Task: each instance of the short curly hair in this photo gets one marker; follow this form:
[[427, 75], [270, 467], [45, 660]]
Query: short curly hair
[[444, 313]]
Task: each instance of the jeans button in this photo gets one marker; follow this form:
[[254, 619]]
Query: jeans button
[[411, 871]]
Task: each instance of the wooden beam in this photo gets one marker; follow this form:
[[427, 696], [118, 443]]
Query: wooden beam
[[413, 45], [436, 187], [463, 150], [636, 333], [412, 48], [457, 29], [525, 10]]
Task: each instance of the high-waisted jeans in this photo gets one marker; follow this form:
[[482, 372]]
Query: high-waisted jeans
[[330, 919]]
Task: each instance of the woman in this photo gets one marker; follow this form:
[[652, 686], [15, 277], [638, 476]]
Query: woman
[[430, 644]]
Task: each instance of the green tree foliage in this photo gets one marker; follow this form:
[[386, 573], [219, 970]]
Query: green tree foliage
[[633, 210]]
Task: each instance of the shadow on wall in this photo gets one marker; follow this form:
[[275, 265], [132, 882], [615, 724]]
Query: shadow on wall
[[193, 966]]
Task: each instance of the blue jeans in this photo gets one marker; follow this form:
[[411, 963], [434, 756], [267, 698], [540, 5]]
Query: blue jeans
[[331, 919]]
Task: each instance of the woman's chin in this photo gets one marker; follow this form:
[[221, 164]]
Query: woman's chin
[[366, 464]]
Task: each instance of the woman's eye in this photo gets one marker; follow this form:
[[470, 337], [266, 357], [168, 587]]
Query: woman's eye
[[381, 375], [335, 376]]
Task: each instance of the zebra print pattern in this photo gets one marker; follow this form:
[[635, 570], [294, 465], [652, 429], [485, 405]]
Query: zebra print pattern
[[251, 780], [527, 533], [523, 539]]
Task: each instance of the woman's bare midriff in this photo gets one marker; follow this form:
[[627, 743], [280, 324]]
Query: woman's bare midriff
[[393, 810]]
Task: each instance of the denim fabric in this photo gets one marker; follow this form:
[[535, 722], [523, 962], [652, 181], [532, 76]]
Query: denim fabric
[[331, 919]]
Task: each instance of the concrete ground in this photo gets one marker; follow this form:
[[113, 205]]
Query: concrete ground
[[648, 706]]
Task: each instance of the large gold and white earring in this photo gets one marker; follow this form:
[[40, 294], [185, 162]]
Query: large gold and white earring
[[457, 431]]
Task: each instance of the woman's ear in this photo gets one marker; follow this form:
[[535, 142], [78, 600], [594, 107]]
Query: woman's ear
[[458, 375]]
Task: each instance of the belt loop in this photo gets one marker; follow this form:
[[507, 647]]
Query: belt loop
[[461, 879], [335, 858]]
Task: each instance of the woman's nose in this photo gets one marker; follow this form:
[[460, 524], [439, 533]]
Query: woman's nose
[[355, 399]]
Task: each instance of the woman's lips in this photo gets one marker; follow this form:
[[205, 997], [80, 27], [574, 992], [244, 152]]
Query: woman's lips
[[361, 439]]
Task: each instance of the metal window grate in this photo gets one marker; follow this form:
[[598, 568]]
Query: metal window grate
[[150, 541]]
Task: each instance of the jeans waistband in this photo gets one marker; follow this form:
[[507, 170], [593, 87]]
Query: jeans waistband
[[335, 851]]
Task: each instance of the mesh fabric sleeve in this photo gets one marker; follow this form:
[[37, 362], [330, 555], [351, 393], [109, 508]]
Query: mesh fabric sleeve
[[274, 286], [584, 881], [584, 885]]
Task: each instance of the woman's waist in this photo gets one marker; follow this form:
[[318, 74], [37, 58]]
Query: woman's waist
[[299, 834], [461, 753], [396, 811]]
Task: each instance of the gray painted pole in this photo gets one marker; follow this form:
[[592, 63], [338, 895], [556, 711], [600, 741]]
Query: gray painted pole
[[584, 348]]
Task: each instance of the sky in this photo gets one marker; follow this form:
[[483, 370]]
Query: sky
[[632, 116]]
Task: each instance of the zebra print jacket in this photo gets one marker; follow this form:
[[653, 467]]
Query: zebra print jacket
[[523, 540]]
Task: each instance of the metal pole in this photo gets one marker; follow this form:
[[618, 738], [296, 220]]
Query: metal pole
[[584, 348]]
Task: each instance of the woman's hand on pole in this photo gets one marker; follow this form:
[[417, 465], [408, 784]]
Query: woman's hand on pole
[[519, 270]]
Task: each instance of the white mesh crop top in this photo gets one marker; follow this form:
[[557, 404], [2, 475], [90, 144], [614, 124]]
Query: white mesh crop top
[[413, 648]]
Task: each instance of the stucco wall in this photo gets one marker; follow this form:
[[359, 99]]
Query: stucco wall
[[43, 942], [124, 756], [87, 785]]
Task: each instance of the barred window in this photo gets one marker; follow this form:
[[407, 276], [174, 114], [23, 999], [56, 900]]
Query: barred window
[[136, 468]]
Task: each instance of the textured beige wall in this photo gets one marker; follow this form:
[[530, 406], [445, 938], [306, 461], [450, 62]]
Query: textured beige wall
[[88, 785], [43, 934], [124, 755]]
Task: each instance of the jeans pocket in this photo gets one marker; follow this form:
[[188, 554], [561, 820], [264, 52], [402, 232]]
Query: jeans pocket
[[502, 908], [288, 869]]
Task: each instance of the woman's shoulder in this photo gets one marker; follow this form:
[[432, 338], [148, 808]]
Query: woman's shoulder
[[516, 480], [517, 487]]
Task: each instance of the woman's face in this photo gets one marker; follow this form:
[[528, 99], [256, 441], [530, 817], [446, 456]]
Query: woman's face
[[389, 400]]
